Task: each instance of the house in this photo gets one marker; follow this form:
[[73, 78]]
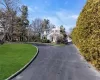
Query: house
[[45, 33], [53, 34]]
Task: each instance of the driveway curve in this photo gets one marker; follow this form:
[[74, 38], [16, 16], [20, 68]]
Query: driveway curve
[[58, 63]]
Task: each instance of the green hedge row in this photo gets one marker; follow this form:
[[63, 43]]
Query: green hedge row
[[86, 34]]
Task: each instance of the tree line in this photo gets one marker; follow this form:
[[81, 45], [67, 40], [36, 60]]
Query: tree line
[[37, 27], [14, 20], [13, 24]]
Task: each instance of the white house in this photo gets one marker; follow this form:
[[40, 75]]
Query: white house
[[53, 35], [45, 33]]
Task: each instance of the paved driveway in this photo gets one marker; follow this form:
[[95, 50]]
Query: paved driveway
[[58, 63]]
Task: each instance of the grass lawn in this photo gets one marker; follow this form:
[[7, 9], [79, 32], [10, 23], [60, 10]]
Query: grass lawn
[[53, 44], [13, 57]]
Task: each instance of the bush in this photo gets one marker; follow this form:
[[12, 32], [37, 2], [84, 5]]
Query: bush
[[86, 34], [45, 41], [62, 41], [36, 39], [1, 42]]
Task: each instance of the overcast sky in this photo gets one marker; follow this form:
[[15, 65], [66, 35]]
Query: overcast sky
[[59, 12]]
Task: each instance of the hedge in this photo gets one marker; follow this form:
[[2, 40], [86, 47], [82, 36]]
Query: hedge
[[86, 34]]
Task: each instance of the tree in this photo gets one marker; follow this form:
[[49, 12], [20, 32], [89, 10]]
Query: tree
[[14, 25], [9, 5], [86, 34], [37, 25], [18, 29], [25, 22], [45, 24], [9, 10], [63, 32]]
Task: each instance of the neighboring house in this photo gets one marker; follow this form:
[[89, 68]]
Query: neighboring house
[[53, 35]]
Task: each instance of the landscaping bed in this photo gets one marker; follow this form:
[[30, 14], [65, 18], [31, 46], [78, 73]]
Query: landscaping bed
[[13, 57]]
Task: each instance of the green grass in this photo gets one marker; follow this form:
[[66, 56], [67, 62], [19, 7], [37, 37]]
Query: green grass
[[54, 44], [13, 57]]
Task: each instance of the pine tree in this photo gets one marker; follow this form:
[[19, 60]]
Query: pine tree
[[25, 21]]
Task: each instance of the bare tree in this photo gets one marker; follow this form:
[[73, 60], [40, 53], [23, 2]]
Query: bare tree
[[8, 16], [37, 25], [45, 24], [10, 4]]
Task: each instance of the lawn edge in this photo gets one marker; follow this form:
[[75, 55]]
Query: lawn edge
[[51, 44], [23, 68]]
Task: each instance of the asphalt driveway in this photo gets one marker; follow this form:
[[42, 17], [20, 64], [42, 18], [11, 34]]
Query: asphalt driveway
[[58, 63]]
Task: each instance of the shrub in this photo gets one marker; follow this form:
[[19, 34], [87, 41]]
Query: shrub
[[1, 42], [36, 39], [86, 34], [62, 41], [45, 41]]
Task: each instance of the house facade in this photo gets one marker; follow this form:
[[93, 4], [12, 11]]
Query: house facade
[[53, 35], [45, 33]]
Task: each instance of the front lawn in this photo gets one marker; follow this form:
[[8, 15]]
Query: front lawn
[[13, 57], [54, 44]]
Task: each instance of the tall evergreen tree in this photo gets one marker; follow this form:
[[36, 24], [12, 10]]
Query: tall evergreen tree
[[45, 24], [25, 22], [63, 32]]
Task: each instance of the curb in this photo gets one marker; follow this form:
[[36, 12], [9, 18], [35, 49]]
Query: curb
[[90, 65], [23, 68]]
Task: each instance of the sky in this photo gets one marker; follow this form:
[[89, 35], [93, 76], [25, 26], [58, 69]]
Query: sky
[[59, 12]]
